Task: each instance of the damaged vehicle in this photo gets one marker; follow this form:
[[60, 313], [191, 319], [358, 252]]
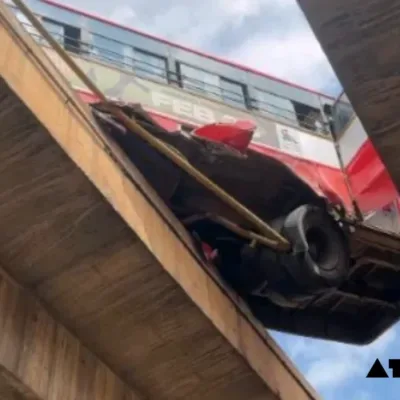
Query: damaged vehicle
[[336, 280]]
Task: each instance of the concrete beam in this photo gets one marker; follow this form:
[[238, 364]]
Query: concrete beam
[[11, 388], [41, 360]]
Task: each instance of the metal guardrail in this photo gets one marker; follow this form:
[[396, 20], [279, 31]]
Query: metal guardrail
[[153, 72]]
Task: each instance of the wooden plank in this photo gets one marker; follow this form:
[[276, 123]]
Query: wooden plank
[[359, 38], [40, 359], [153, 312]]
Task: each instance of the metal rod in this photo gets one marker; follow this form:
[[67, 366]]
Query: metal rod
[[254, 238], [132, 125]]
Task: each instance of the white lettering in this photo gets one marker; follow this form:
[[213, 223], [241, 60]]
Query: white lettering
[[182, 107], [203, 114], [228, 119], [192, 111], [161, 99]]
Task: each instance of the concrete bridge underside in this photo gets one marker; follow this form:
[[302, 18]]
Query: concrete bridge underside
[[102, 295]]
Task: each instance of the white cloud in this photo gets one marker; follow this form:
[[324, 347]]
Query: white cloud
[[192, 25], [297, 57], [330, 365], [331, 372], [123, 14], [250, 7], [241, 9]]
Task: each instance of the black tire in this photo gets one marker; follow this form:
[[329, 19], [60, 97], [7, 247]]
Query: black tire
[[318, 245]]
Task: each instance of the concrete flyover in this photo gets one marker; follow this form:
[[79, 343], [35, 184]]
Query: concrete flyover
[[360, 39], [102, 295]]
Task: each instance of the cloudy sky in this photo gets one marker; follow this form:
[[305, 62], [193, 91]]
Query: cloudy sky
[[272, 36], [338, 371]]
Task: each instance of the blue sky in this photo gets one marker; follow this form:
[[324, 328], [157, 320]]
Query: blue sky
[[273, 36], [337, 371]]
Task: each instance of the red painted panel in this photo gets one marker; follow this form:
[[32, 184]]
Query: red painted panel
[[167, 123], [87, 97], [371, 184], [237, 135], [325, 180]]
